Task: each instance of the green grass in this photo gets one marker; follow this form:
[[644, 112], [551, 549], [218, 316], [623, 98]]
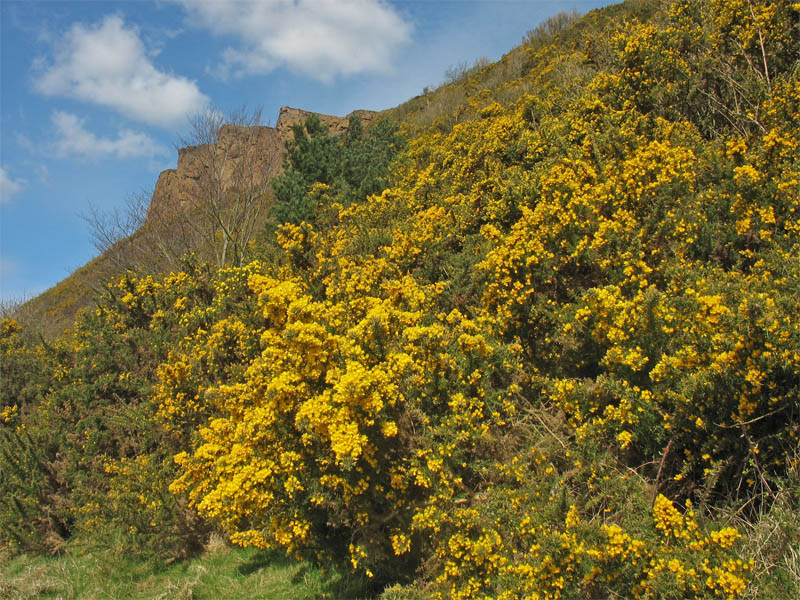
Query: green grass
[[221, 572]]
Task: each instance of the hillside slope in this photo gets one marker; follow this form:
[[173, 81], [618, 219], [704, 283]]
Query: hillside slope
[[165, 236], [551, 352]]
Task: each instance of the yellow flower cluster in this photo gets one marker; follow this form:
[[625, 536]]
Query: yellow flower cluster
[[307, 440], [526, 543]]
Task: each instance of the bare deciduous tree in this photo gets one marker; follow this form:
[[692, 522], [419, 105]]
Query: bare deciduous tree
[[224, 194], [232, 191], [133, 237], [547, 30], [111, 231]]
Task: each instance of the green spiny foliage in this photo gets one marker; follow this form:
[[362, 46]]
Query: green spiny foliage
[[35, 511], [349, 166]]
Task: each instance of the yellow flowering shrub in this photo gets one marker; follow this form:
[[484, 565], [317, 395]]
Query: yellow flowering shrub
[[315, 450], [136, 497], [598, 237], [22, 370], [538, 364], [525, 537]]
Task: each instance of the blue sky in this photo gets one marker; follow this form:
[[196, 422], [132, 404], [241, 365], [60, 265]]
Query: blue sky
[[94, 94]]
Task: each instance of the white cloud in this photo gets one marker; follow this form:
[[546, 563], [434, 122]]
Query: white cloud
[[107, 64], [319, 38], [8, 186], [74, 140]]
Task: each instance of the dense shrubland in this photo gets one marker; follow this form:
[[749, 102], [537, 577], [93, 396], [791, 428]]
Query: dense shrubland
[[548, 347]]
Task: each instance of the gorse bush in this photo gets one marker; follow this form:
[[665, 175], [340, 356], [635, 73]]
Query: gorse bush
[[323, 420], [77, 455], [348, 167], [547, 348]]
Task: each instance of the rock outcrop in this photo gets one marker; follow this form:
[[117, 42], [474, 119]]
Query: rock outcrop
[[242, 155], [289, 117]]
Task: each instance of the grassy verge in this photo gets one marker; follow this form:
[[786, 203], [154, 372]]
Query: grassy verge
[[222, 571]]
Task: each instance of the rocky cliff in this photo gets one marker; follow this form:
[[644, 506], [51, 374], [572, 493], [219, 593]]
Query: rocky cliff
[[252, 153]]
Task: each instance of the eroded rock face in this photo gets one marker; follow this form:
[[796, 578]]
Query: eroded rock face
[[243, 156], [289, 117]]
